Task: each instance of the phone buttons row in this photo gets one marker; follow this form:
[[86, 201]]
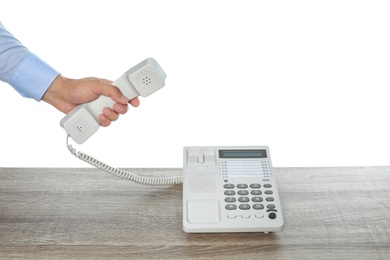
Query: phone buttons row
[[246, 199], [242, 206], [245, 192], [232, 216], [256, 206], [245, 186]]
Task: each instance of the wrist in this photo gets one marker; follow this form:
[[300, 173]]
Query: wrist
[[56, 93]]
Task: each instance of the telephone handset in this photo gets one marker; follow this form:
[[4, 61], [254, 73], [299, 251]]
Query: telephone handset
[[143, 79], [82, 122]]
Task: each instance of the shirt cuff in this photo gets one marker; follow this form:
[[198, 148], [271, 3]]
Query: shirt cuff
[[33, 77]]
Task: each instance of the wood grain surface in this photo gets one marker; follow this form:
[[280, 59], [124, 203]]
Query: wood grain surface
[[48, 213]]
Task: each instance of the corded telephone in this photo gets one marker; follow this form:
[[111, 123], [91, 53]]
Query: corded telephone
[[230, 189], [225, 189]]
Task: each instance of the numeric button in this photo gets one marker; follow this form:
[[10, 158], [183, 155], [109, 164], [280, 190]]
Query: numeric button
[[245, 206], [242, 192], [230, 199], [228, 186], [257, 199], [243, 199], [256, 192], [242, 186], [230, 207], [229, 192], [258, 206]]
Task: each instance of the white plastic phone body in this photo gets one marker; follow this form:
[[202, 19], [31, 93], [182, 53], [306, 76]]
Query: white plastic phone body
[[141, 80], [230, 189]]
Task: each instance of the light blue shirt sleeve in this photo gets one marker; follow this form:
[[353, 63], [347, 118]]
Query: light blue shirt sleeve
[[24, 71]]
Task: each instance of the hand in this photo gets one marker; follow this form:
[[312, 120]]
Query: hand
[[65, 94]]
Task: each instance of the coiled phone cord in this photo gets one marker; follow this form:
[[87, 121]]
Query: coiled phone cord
[[122, 173]]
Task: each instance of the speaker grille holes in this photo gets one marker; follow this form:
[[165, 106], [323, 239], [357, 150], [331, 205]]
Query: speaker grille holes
[[81, 126], [146, 81]]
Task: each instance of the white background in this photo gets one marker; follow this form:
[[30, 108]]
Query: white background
[[309, 79]]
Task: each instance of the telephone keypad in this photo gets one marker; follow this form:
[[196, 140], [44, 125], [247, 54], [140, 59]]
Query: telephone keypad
[[249, 193]]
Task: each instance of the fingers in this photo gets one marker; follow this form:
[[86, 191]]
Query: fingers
[[115, 94], [120, 107], [109, 115], [134, 102], [104, 121]]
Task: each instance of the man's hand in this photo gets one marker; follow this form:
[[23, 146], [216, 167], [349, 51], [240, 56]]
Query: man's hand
[[65, 94]]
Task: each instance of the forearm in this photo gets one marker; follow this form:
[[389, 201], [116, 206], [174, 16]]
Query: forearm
[[23, 70]]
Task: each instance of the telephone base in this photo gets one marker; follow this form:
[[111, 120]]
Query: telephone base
[[230, 189]]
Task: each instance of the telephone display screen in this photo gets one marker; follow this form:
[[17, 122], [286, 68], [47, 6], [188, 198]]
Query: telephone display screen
[[242, 154]]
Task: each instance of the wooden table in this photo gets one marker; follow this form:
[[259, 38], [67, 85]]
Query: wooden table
[[48, 213]]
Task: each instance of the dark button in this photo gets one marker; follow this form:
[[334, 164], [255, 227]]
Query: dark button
[[272, 215]]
